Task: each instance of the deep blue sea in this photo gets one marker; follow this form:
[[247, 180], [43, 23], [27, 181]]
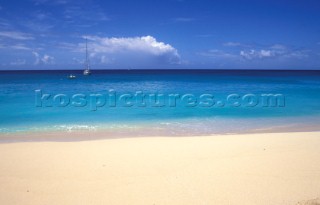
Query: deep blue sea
[[170, 102]]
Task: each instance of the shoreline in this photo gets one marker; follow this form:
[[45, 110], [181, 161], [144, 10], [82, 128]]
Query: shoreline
[[264, 169], [166, 128], [105, 134]]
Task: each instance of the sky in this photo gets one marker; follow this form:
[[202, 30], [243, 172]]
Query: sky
[[160, 34]]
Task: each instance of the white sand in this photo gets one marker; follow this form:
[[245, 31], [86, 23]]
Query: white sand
[[235, 169]]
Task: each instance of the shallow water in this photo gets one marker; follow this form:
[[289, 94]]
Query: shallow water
[[113, 101]]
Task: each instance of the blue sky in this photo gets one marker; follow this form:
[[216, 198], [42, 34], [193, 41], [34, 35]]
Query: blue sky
[[207, 34]]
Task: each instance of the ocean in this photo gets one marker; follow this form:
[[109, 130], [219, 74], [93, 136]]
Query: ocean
[[160, 102]]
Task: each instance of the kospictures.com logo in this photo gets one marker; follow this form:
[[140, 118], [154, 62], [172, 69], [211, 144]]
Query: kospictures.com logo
[[111, 98]]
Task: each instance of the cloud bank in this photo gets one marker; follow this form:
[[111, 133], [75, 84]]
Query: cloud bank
[[252, 54], [145, 50]]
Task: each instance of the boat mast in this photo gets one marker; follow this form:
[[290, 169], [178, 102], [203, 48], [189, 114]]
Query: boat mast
[[87, 61]]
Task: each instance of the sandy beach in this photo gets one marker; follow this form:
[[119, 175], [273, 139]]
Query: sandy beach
[[246, 169]]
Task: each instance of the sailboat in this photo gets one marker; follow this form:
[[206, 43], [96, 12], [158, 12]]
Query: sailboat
[[87, 64]]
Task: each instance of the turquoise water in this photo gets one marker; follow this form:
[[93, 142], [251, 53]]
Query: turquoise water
[[298, 104]]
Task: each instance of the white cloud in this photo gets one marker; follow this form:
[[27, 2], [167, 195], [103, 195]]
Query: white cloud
[[266, 53], [240, 52], [253, 54], [145, 48], [45, 59], [37, 56], [16, 35], [248, 54], [276, 51], [146, 44]]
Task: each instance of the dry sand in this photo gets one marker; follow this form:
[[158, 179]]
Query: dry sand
[[247, 169]]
